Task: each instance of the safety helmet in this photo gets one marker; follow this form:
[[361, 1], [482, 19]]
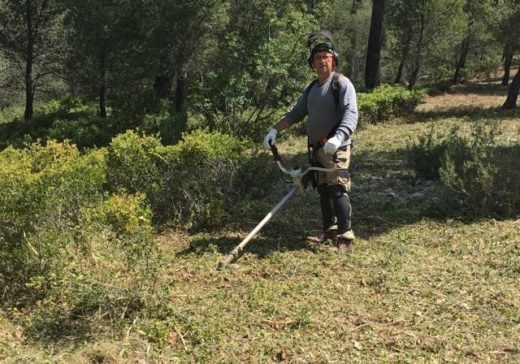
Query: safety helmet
[[321, 41]]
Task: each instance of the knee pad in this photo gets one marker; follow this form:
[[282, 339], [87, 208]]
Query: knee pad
[[335, 191]]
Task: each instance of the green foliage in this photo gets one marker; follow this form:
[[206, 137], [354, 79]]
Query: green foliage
[[65, 243], [168, 125], [200, 176], [10, 113], [131, 164], [191, 184], [437, 88], [423, 36], [69, 118], [425, 155], [43, 190], [119, 234], [349, 35], [84, 131], [385, 102], [258, 67], [109, 268], [482, 171], [32, 42]]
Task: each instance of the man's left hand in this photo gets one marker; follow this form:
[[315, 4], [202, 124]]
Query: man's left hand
[[332, 145]]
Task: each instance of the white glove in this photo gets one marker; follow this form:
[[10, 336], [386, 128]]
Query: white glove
[[270, 138], [332, 145]]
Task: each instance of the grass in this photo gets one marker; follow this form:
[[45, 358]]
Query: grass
[[418, 288]]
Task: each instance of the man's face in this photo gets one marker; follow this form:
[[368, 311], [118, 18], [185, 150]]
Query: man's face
[[323, 62]]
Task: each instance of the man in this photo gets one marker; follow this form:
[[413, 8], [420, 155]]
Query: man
[[330, 103]]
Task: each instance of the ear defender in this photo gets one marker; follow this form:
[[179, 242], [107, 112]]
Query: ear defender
[[321, 40], [335, 56]]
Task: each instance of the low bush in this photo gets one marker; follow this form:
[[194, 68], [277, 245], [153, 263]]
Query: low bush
[[166, 124], [69, 118], [200, 178], [11, 113], [386, 102], [425, 155], [132, 164], [191, 184], [85, 132], [115, 264], [43, 190], [438, 88], [65, 242], [483, 172]]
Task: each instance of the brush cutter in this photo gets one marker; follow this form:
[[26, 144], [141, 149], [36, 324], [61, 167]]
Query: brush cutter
[[298, 177]]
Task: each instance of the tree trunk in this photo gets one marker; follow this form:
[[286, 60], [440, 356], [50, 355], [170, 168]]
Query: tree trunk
[[163, 86], [352, 66], [399, 75], [512, 95], [404, 58], [181, 90], [102, 100], [102, 87], [29, 90], [508, 60], [412, 80], [29, 82], [461, 63], [375, 44]]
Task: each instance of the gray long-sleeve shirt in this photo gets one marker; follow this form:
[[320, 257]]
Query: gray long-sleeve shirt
[[318, 103]]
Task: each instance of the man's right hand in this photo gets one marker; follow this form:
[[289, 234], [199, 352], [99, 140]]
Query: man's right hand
[[270, 138]]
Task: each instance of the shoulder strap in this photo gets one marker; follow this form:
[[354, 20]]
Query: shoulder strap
[[310, 86], [335, 93], [335, 89]]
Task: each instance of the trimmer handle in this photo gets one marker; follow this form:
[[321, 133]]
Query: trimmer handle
[[274, 150]]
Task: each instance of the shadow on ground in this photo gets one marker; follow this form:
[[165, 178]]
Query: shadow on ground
[[485, 89], [261, 246], [475, 113], [385, 196], [56, 329]]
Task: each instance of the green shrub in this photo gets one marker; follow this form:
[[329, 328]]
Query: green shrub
[[132, 164], [200, 175], [117, 251], [109, 271], [386, 102], [470, 166], [168, 125], [129, 110], [43, 190], [65, 243], [425, 155], [483, 172], [191, 184], [84, 132], [438, 88], [11, 113], [69, 118]]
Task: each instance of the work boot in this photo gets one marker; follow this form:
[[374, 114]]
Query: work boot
[[330, 234], [345, 241]]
